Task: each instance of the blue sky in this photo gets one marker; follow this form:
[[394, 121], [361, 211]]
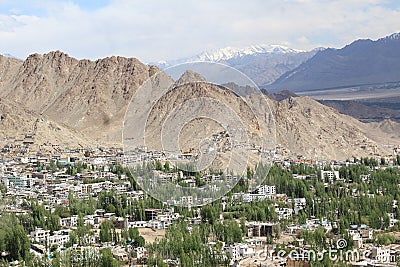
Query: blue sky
[[38, 7], [158, 30]]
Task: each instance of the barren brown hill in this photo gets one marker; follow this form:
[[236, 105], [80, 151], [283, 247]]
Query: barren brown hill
[[303, 126], [16, 121], [389, 127], [87, 100], [311, 129], [88, 96]]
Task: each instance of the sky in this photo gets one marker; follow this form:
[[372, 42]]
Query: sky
[[153, 30]]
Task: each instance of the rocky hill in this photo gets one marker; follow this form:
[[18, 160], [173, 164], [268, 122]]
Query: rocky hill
[[16, 123], [65, 100], [88, 96], [313, 130]]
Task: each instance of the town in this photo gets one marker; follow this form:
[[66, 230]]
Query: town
[[83, 206]]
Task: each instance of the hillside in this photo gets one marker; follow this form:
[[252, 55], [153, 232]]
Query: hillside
[[88, 96], [359, 63], [69, 101], [16, 123], [362, 111], [311, 129]]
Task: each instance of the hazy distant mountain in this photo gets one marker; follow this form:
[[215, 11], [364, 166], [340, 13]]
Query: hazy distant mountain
[[282, 95], [362, 62], [7, 55], [262, 63], [363, 111]]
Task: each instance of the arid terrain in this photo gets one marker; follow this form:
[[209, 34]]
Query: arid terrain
[[59, 99]]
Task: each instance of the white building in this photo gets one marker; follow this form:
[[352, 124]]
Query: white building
[[329, 176], [155, 224], [60, 238], [43, 237], [283, 213], [40, 235], [233, 250], [267, 190], [246, 251], [365, 177], [393, 220], [69, 221], [299, 203]]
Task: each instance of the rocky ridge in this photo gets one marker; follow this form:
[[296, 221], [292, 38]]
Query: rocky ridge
[[84, 102]]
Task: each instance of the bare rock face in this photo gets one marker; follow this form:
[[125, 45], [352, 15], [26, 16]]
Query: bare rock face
[[8, 70], [303, 126], [389, 127], [361, 62], [199, 93], [89, 96], [17, 122], [313, 130], [189, 76], [66, 100]]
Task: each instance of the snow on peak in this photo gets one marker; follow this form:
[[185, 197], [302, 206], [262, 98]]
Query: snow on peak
[[233, 52], [229, 52], [7, 55], [394, 36]]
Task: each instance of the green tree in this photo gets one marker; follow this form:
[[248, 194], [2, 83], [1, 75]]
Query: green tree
[[106, 231], [107, 259], [13, 238]]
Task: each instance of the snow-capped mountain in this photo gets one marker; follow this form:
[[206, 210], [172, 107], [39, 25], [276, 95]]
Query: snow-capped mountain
[[7, 55], [228, 53], [262, 63], [232, 52], [394, 36]]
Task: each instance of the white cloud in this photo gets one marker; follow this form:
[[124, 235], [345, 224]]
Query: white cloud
[[154, 30]]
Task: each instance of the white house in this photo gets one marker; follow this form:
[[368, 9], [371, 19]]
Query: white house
[[329, 176], [267, 190]]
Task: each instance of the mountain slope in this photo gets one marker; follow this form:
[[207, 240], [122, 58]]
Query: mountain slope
[[311, 129], [361, 62], [361, 111], [62, 99], [16, 121], [89, 96], [303, 126], [391, 128]]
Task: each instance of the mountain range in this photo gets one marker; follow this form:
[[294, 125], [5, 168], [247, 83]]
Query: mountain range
[[262, 63], [87, 96], [363, 62], [228, 53], [361, 66], [7, 55], [59, 99]]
